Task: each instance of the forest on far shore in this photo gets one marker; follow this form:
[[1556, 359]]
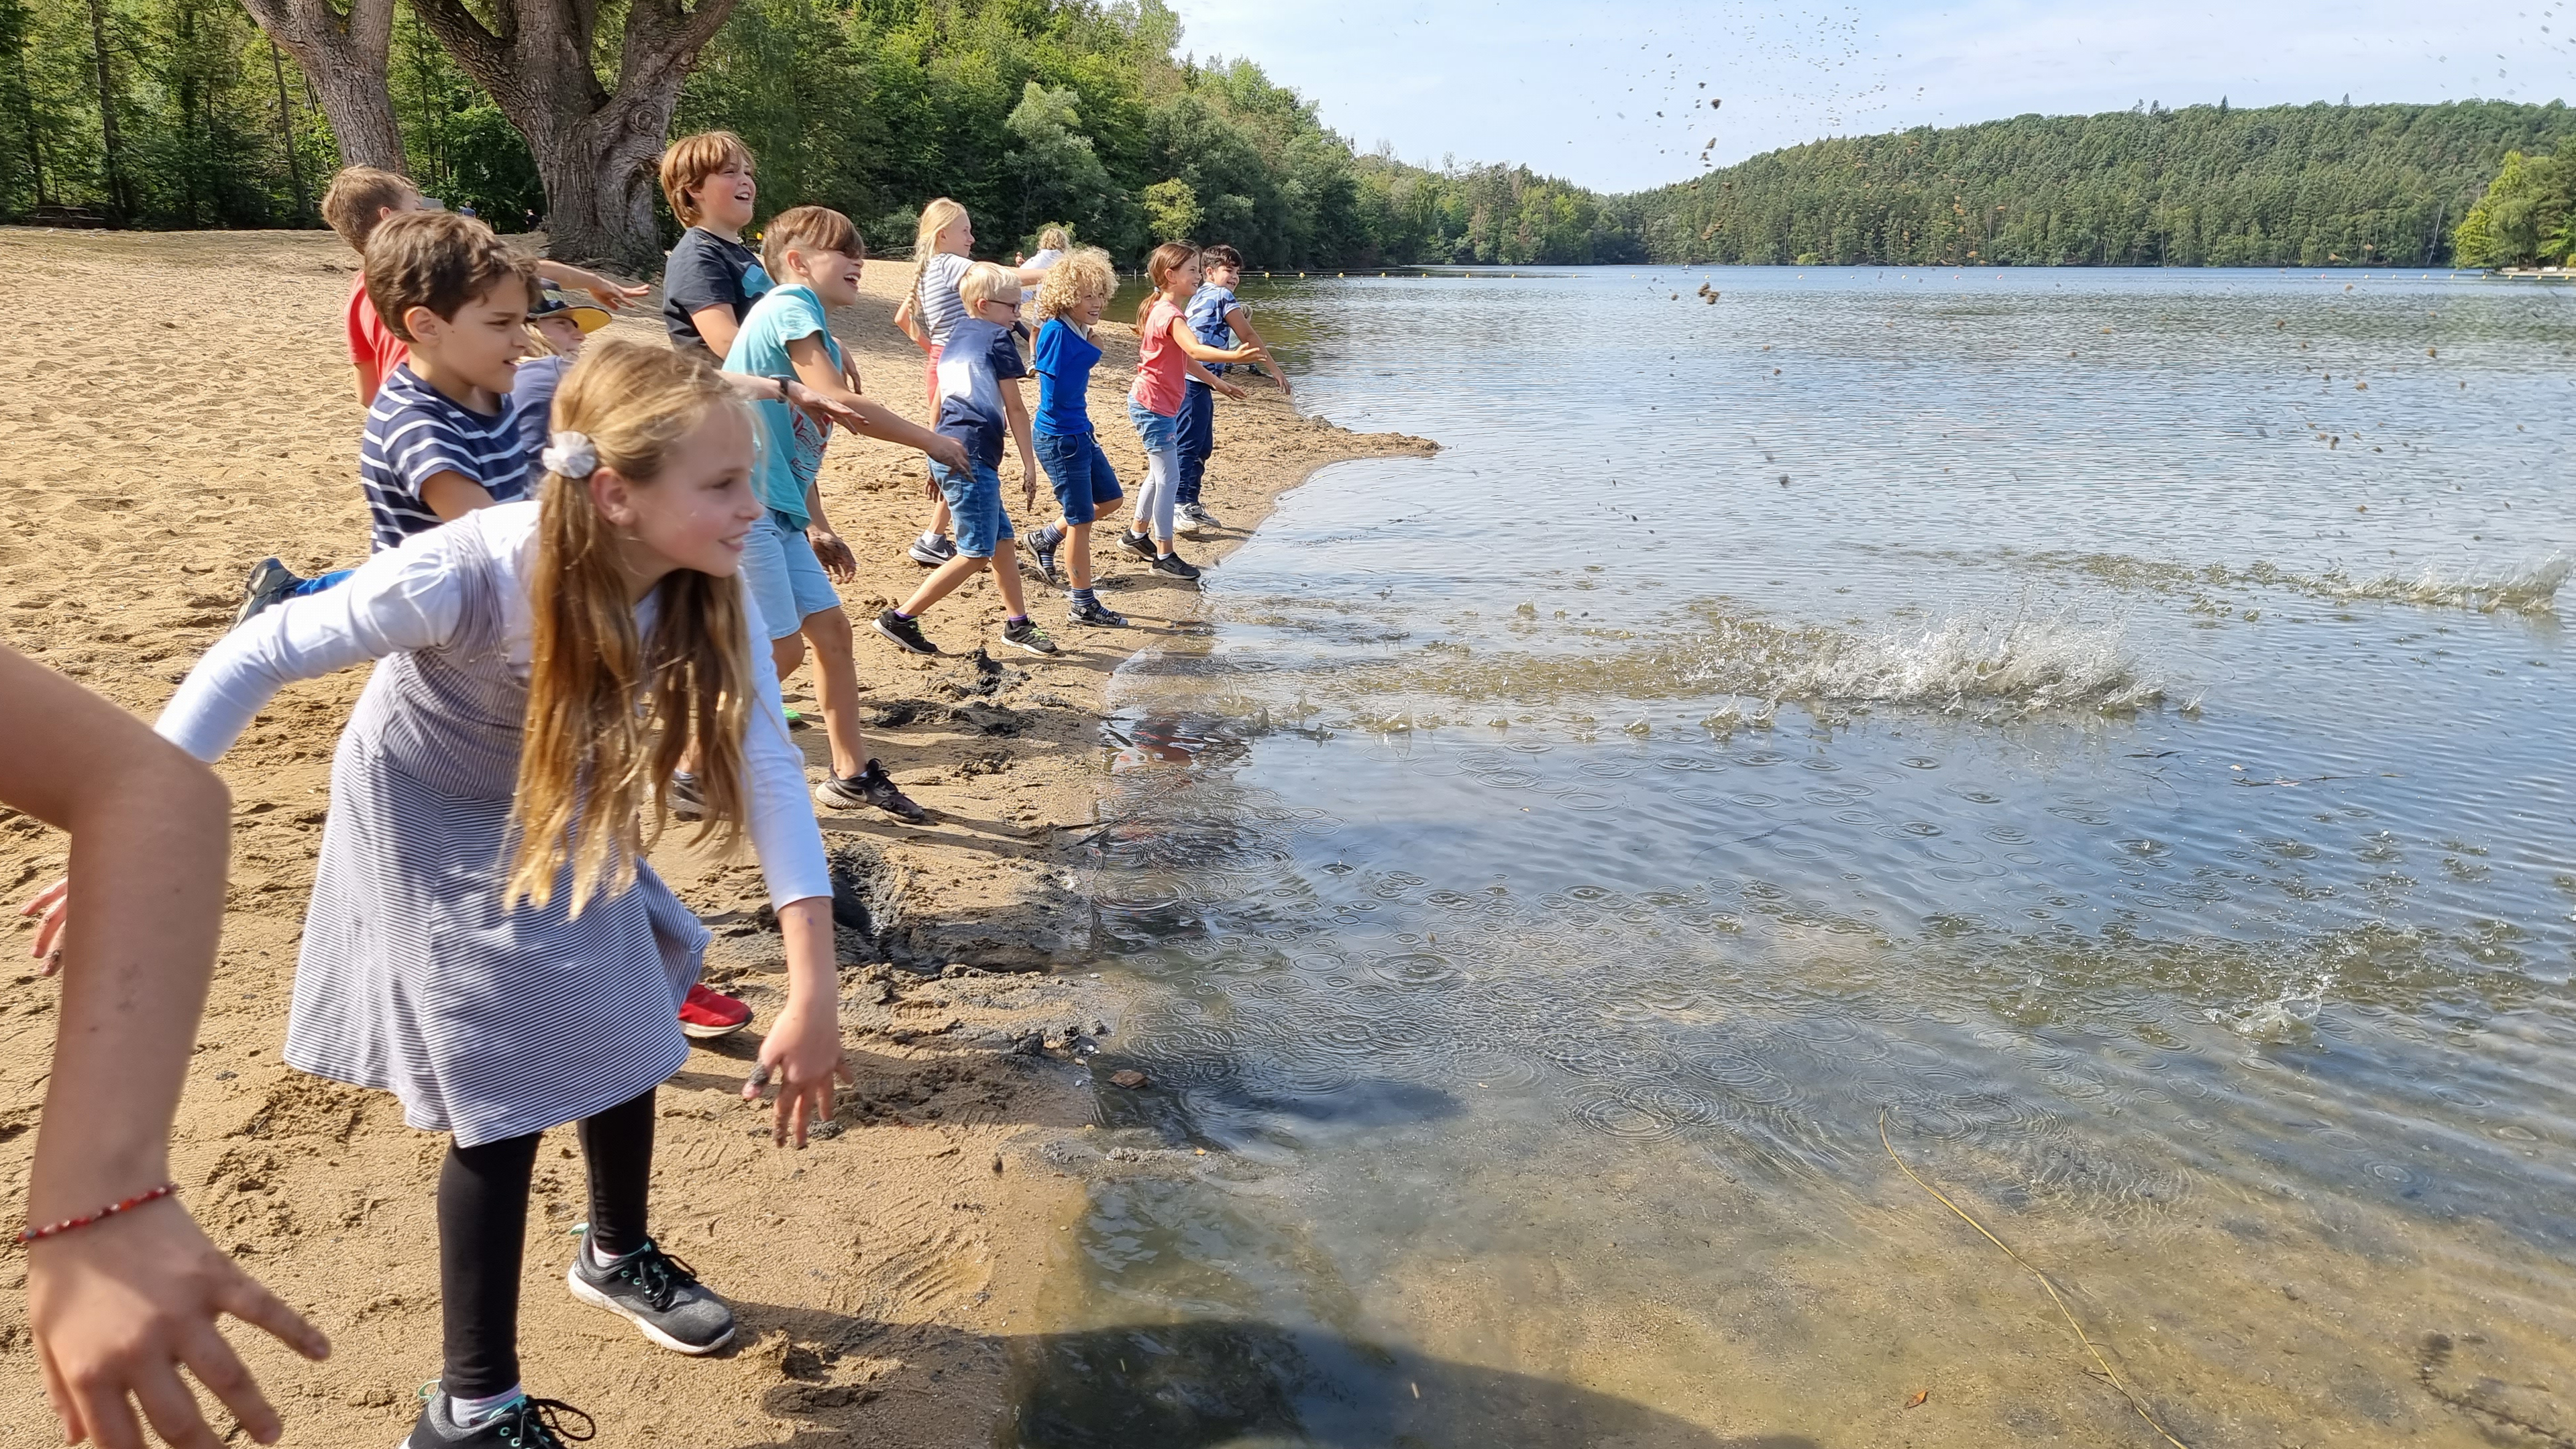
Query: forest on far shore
[[182, 114]]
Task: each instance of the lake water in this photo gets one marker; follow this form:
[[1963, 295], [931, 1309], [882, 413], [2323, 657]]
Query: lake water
[[2108, 733]]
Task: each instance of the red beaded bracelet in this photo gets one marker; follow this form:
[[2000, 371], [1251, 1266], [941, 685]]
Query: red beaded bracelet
[[31, 1234]]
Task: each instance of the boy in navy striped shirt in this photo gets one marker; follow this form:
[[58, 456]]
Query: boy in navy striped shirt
[[442, 437]]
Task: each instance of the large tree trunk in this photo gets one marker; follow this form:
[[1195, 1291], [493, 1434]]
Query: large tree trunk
[[344, 56], [595, 149]]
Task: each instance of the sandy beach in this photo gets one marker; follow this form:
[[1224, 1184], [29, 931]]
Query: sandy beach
[[178, 405]]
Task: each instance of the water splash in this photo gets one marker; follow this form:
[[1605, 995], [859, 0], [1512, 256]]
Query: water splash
[[2528, 590]]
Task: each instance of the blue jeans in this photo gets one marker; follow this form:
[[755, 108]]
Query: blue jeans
[[974, 506], [1198, 438], [1079, 473]]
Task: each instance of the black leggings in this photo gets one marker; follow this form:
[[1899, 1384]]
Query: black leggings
[[483, 1232]]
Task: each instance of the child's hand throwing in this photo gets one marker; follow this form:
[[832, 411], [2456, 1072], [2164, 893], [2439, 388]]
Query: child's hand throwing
[[1230, 390], [802, 1055], [833, 554], [117, 1307]]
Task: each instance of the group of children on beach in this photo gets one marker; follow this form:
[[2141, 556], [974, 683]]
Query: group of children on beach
[[563, 659]]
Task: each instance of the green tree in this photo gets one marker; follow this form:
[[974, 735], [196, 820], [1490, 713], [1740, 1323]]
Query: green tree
[[1171, 210], [2524, 219], [1058, 173]]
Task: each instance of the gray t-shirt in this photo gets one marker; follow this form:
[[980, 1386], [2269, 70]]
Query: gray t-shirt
[[941, 308]]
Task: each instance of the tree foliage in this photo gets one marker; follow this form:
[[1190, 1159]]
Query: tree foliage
[[2205, 186], [2526, 218], [1088, 113]]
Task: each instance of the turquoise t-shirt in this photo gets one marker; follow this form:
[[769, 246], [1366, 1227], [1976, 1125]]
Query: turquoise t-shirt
[[791, 450]]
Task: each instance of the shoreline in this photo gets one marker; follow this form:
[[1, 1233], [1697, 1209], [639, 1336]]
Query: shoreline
[[880, 1274]]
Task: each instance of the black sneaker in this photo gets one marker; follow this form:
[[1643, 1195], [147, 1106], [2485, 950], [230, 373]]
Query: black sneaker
[[522, 1423], [656, 1292], [932, 550], [1095, 613], [685, 799], [1042, 547], [1138, 544], [1198, 522], [906, 633], [269, 583], [1027, 634], [1177, 566], [870, 787]]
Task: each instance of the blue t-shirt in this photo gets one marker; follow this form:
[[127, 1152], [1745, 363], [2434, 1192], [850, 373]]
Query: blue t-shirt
[[1063, 363], [791, 451], [414, 433], [1208, 306], [979, 358], [533, 384]]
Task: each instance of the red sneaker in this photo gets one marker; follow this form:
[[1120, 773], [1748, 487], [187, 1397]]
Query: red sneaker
[[712, 1014]]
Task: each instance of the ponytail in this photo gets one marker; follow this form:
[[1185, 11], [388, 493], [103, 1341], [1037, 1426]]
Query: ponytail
[[1168, 258]]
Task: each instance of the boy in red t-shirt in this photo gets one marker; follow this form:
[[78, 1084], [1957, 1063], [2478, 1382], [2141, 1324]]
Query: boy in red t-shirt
[[362, 196]]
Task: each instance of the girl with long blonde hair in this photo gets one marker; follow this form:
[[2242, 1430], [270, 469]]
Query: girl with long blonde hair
[[486, 939]]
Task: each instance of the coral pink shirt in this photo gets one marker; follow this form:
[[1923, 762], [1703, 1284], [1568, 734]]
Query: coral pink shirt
[[1161, 366], [372, 345]]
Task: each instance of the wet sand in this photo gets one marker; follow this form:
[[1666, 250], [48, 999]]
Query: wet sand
[[177, 406]]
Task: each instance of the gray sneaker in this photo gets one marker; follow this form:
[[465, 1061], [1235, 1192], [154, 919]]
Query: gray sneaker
[[1094, 613], [870, 788], [522, 1423], [268, 584], [656, 1292], [1197, 522], [932, 550], [1026, 634]]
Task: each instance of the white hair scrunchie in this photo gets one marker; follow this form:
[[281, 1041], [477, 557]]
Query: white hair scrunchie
[[571, 454]]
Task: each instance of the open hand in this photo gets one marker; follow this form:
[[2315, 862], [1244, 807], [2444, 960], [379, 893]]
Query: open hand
[[54, 905], [117, 1307], [610, 292], [833, 554], [1230, 390], [948, 453], [802, 1056]]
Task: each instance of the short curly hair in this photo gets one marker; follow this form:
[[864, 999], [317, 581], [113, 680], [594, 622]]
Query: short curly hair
[[1082, 272]]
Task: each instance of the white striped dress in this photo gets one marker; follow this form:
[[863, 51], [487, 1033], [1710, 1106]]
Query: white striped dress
[[412, 979]]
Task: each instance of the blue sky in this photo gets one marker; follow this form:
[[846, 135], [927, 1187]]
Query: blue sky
[[1615, 94]]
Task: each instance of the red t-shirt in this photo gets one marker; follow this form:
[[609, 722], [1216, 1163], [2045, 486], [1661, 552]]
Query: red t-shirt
[[372, 345], [1161, 366]]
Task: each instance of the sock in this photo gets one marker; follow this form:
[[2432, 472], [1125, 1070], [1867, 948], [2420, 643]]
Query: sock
[[932, 536], [1017, 619], [1050, 536], [470, 1412], [1079, 596], [900, 614], [598, 1259]]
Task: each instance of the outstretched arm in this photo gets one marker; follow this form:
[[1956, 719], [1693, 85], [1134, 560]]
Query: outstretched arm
[[815, 369], [612, 293], [1240, 320], [1198, 351], [119, 1306]]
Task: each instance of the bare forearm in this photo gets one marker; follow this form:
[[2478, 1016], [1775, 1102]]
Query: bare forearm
[[149, 832], [813, 977]]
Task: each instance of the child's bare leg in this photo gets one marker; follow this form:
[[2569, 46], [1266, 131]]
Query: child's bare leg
[[942, 582], [838, 680], [938, 519], [1077, 564], [1006, 577]]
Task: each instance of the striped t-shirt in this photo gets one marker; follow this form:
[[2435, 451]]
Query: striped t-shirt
[[941, 308], [414, 433]]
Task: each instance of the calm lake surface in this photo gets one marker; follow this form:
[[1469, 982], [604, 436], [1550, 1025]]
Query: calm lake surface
[[2109, 732]]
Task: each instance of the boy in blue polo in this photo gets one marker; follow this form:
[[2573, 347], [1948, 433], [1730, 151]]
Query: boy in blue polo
[[1218, 320], [979, 401]]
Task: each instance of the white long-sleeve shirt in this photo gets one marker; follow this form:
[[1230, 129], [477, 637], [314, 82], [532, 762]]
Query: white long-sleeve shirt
[[411, 597]]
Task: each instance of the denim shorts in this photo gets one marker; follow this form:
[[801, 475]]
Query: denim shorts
[[1157, 431], [974, 507], [781, 574], [1079, 473]]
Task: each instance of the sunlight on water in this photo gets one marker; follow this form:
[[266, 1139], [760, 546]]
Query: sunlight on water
[[2057, 716]]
